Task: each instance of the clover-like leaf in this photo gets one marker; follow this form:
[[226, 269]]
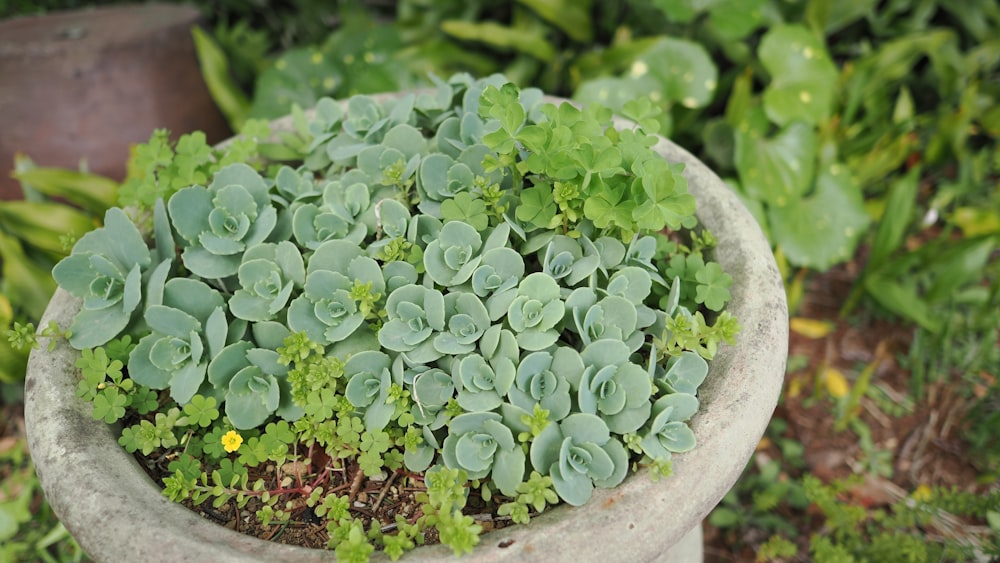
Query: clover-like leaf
[[537, 207], [611, 206], [713, 286], [579, 453], [467, 209], [663, 201]]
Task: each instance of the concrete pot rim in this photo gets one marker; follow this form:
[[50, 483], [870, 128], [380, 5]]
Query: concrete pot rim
[[116, 512]]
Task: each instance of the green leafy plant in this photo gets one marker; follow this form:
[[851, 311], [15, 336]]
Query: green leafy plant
[[895, 534], [29, 530], [363, 313], [58, 207]]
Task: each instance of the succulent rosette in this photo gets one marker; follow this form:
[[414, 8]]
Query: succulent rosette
[[667, 431], [579, 453], [415, 315], [189, 328], [107, 270], [535, 311], [219, 223], [479, 443]]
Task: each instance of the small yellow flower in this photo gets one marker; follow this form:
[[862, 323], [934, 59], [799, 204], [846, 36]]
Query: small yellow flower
[[922, 493], [231, 441]]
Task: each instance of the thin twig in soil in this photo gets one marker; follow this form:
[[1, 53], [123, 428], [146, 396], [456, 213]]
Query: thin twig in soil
[[275, 532], [872, 409], [385, 489], [359, 478]]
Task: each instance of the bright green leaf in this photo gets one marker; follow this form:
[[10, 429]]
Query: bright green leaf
[[803, 78], [823, 228], [777, 170]]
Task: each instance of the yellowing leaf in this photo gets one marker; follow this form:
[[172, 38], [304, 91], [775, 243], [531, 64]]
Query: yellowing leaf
[[6, 311], [794, 388], [975, 221], [836, 384], [810, 328]]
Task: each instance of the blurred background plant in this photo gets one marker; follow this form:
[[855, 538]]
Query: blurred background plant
[[861, 134]]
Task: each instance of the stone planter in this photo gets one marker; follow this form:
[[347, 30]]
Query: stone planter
[[117, 513]]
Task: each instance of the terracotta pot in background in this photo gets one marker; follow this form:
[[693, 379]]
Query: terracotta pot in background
[[88, 83]]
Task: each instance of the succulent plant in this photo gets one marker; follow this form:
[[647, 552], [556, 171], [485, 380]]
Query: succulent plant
[[467, 319], [268, 274], [415, 315], [369, 376], [579, 454], [479, 443], [253, 384], [467, 279], [107, 270], [326, 310], [536, 309], [452, 257], [684, 373], [482, 385], [219, 223], [568, 260], [431, 389], [667, 431], [613, 387], [496, 279], [189, 329], [543, 378]]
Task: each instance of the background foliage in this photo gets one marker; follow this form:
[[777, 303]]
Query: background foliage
[[862, 134]]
